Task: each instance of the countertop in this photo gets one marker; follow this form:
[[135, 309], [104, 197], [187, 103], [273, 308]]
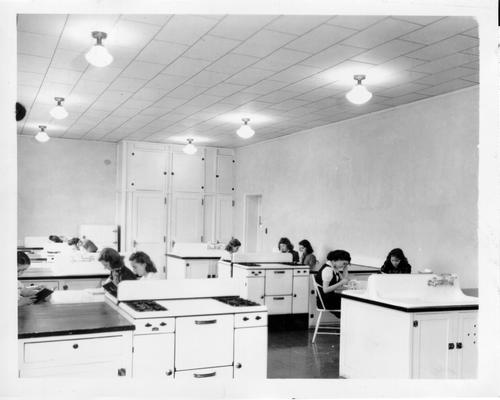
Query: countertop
[[73, 270], [41, 320], [198, 254], [266, 266]]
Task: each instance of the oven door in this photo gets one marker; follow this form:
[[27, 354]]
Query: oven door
[[279, 282], [204, 341]]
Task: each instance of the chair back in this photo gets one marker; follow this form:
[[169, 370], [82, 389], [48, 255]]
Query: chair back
[[316, 290]]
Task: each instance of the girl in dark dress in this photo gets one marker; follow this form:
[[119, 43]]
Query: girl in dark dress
[[308, 257], [285, 246], [332, 276], [396, 263], [113, 261]]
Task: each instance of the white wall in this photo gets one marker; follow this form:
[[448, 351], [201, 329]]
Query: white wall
[[406, 177], [64, 183]]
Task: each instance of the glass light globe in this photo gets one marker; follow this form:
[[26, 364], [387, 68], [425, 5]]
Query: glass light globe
[[59, 112], [99, 56], [42, 137], [358, 95], [190, 149], [245, 131]]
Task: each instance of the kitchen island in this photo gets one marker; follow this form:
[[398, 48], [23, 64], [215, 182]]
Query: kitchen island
[[193, 261], [73, 340], [420, 326]]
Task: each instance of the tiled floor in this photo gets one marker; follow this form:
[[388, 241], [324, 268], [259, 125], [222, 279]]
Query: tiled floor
[[292, 355]]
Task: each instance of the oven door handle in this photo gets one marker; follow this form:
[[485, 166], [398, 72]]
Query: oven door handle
[[207, 375], [205, 322]]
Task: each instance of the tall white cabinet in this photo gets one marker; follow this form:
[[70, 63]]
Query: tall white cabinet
[[165, 196]]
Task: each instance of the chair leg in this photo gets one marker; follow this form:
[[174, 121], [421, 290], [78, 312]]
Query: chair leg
[[317, 326]]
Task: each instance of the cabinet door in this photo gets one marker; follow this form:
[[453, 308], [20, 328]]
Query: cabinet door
[[204, 341], [300, 299], [224, 174], [224, 219], [209, 206], [146, 169], [467, 345], [187, 172], [153, 356], [210, 169], [250, 353], [198, 269], [187, 217], [148, 226], [434, 347], [255, 289]]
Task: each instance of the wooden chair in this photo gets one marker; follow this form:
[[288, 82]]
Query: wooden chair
[[335, 327]]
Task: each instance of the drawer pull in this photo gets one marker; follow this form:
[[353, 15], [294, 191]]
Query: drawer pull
[[278, 298], [258, 317], [237, 365], [451, 346], [279, 272], [207, 375], [207, 322], [147, 325], [163, 323], [169, 372], [245, 318], [122, 372], [155, 328], [459, 345], [75, 346]]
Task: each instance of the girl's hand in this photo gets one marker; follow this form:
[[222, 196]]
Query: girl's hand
[[29, 291], [25, 301]]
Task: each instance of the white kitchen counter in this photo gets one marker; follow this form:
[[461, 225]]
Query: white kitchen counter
[[266, 266], [68, 269]]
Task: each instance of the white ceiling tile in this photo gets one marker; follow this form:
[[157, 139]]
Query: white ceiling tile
[[113, 121], [344, 72], [296, 24], [398, 78], [295, 73], [447, 87], [172, 117], [289, 104], [105, 105], [472, 32], [444, 76], [418, 19], [131, 34], [265, 87], [91, 87], [232, 63], [207, 78], [442, 29], [184, 66], [357, 22], [154, 111], [34, 64], [281, 59], [137, 104], [249, 76], [127, 84], [29, 79], [123, 111], [473, 50], [141, 70], [381, 32], [50, 90], [26, 94], [320, 38], [95, 113], [240, 98], [332, 56], [397, 64], [264, 43], [65, 76], [318, 94], [277, 97], [240, 27], [106, 75], [169, 103], [210, 48], [387, 51], [185, 29], [114, 97], [122, 55], [43, 24], [407, 98], [186, 91], [224, 89], [154, 19], [161, 52], [204, 100], [149, 93], [165, 82], [443, 63], [472, 65], [308, 84], [404, 89], [444, 47], [472, 77], [35, 44], [69, 59]]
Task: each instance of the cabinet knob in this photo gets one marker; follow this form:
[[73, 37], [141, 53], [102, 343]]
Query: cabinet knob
[[203, 187], [258, 317], [245, 318], [216, 176], [164, 172], [169, 372], [459, 345], [163, 323], [132, 183], [122, 372], [237, 365], [172, 173], [294, 295], [75, 346], [451, 346], [147, 325], [65, 287]]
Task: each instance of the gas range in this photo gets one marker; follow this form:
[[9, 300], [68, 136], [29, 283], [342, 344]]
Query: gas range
[[236, 301], [145, 305]]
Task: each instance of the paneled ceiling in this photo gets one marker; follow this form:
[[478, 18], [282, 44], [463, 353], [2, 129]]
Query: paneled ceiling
[[180, 76]]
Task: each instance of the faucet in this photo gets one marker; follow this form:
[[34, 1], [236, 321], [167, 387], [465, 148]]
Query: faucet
[[443, 280]]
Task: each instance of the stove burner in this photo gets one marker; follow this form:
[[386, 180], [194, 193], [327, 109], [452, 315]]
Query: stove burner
[[236, 301], [145, 305]]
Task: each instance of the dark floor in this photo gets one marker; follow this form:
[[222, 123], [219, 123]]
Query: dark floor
[[292, 355]]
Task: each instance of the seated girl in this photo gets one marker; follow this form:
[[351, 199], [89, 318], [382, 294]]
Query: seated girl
[[396, 263], [285, 246]]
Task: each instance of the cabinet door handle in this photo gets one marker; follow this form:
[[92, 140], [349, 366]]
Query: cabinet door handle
[[75, 346], [207, 375], [147, 325], [459, 345], [65, 287], [206, 322], [294, 295], [279, 272], [451, 346], [122, 372], [237, 365], [278, 298], [169, 372]]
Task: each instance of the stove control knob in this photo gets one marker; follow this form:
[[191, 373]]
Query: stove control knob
[[245, 318], [237, 365], [163, 323], [169, 372], [147, 325], [258, 317]]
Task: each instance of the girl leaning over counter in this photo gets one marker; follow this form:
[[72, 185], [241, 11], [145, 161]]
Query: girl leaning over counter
[[143, 265], [113, 261]]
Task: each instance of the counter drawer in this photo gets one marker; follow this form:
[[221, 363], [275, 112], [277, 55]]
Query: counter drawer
[[206, 373], [78, 284], [301, 272], [250, 319], [52, 285], [153, 325], [278, 304], [279, 282], [256, 272], [74, 351]]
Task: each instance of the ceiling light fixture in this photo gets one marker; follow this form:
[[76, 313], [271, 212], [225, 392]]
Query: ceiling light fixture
[[245, 131], [98, 55], [358, 94], [42, 136], [59, 112], [190, 148]]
